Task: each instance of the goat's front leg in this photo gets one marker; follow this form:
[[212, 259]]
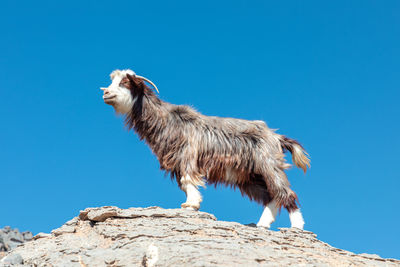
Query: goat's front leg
[[193, 196]]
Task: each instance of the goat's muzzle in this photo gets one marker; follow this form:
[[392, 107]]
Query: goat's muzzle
[[107, 97]]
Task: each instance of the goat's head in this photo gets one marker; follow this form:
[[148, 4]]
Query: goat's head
[[124, 89]]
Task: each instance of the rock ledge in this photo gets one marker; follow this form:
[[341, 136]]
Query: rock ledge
[[109, 236]]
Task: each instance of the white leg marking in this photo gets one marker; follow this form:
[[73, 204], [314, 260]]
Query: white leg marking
[[193, 196], [268, 215], [296, 219]]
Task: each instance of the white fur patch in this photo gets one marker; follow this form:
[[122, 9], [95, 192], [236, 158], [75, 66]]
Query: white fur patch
[[296, 219], [193, 196], [268, 215], [123, 98]]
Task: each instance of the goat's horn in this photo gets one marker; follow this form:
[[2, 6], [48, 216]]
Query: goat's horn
[[150, 82], [103, 88]]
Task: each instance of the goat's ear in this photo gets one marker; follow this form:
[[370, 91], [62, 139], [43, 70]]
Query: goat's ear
[[130, 77], [135, 83]]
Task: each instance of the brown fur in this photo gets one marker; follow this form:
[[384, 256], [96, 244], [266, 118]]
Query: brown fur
[[203, 147], [300, 158]]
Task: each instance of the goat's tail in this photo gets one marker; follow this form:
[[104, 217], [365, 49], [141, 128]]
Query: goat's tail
[[299, 156]]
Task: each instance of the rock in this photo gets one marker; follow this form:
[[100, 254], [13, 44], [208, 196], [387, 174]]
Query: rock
[[6, 229], [11, 238], [41, 235], [12, 259], [27, 236], [109, 236]]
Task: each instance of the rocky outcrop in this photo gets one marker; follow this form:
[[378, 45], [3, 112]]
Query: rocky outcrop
[[11, 238], [109, 236]]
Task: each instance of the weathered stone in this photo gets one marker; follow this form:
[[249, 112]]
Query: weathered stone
[[7, 229], [27, 236], [109, 236], [11, 238], [41, 235], [63, 230], [12, 259]]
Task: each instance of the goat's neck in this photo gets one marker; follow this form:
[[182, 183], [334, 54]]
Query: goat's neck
[[148, 117]]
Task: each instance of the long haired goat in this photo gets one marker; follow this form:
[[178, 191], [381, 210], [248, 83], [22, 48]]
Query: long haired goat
[[194, 148]]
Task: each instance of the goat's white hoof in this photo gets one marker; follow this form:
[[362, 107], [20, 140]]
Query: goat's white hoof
[[188, 206]]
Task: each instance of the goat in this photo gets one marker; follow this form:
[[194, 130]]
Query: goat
[[196, 149]]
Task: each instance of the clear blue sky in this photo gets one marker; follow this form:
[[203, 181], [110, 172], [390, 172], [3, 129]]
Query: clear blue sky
[[326, 74]]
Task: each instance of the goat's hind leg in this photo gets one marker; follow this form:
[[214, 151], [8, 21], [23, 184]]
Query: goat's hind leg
[[269, 214], [279, 188], [193, 196], [295, 216], [257, 190], [296, 219]]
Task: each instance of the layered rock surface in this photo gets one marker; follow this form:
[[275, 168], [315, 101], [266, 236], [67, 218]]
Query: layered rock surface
[[109, 236], [11, 238]]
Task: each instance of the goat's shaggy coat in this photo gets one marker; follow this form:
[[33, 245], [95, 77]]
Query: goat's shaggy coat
[[238, 153]]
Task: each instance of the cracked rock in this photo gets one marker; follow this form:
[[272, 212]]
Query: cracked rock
[[109, 236], [11, 238]]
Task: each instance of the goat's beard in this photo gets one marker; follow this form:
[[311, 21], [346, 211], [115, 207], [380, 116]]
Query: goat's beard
[[119, 108], [110, 102]]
